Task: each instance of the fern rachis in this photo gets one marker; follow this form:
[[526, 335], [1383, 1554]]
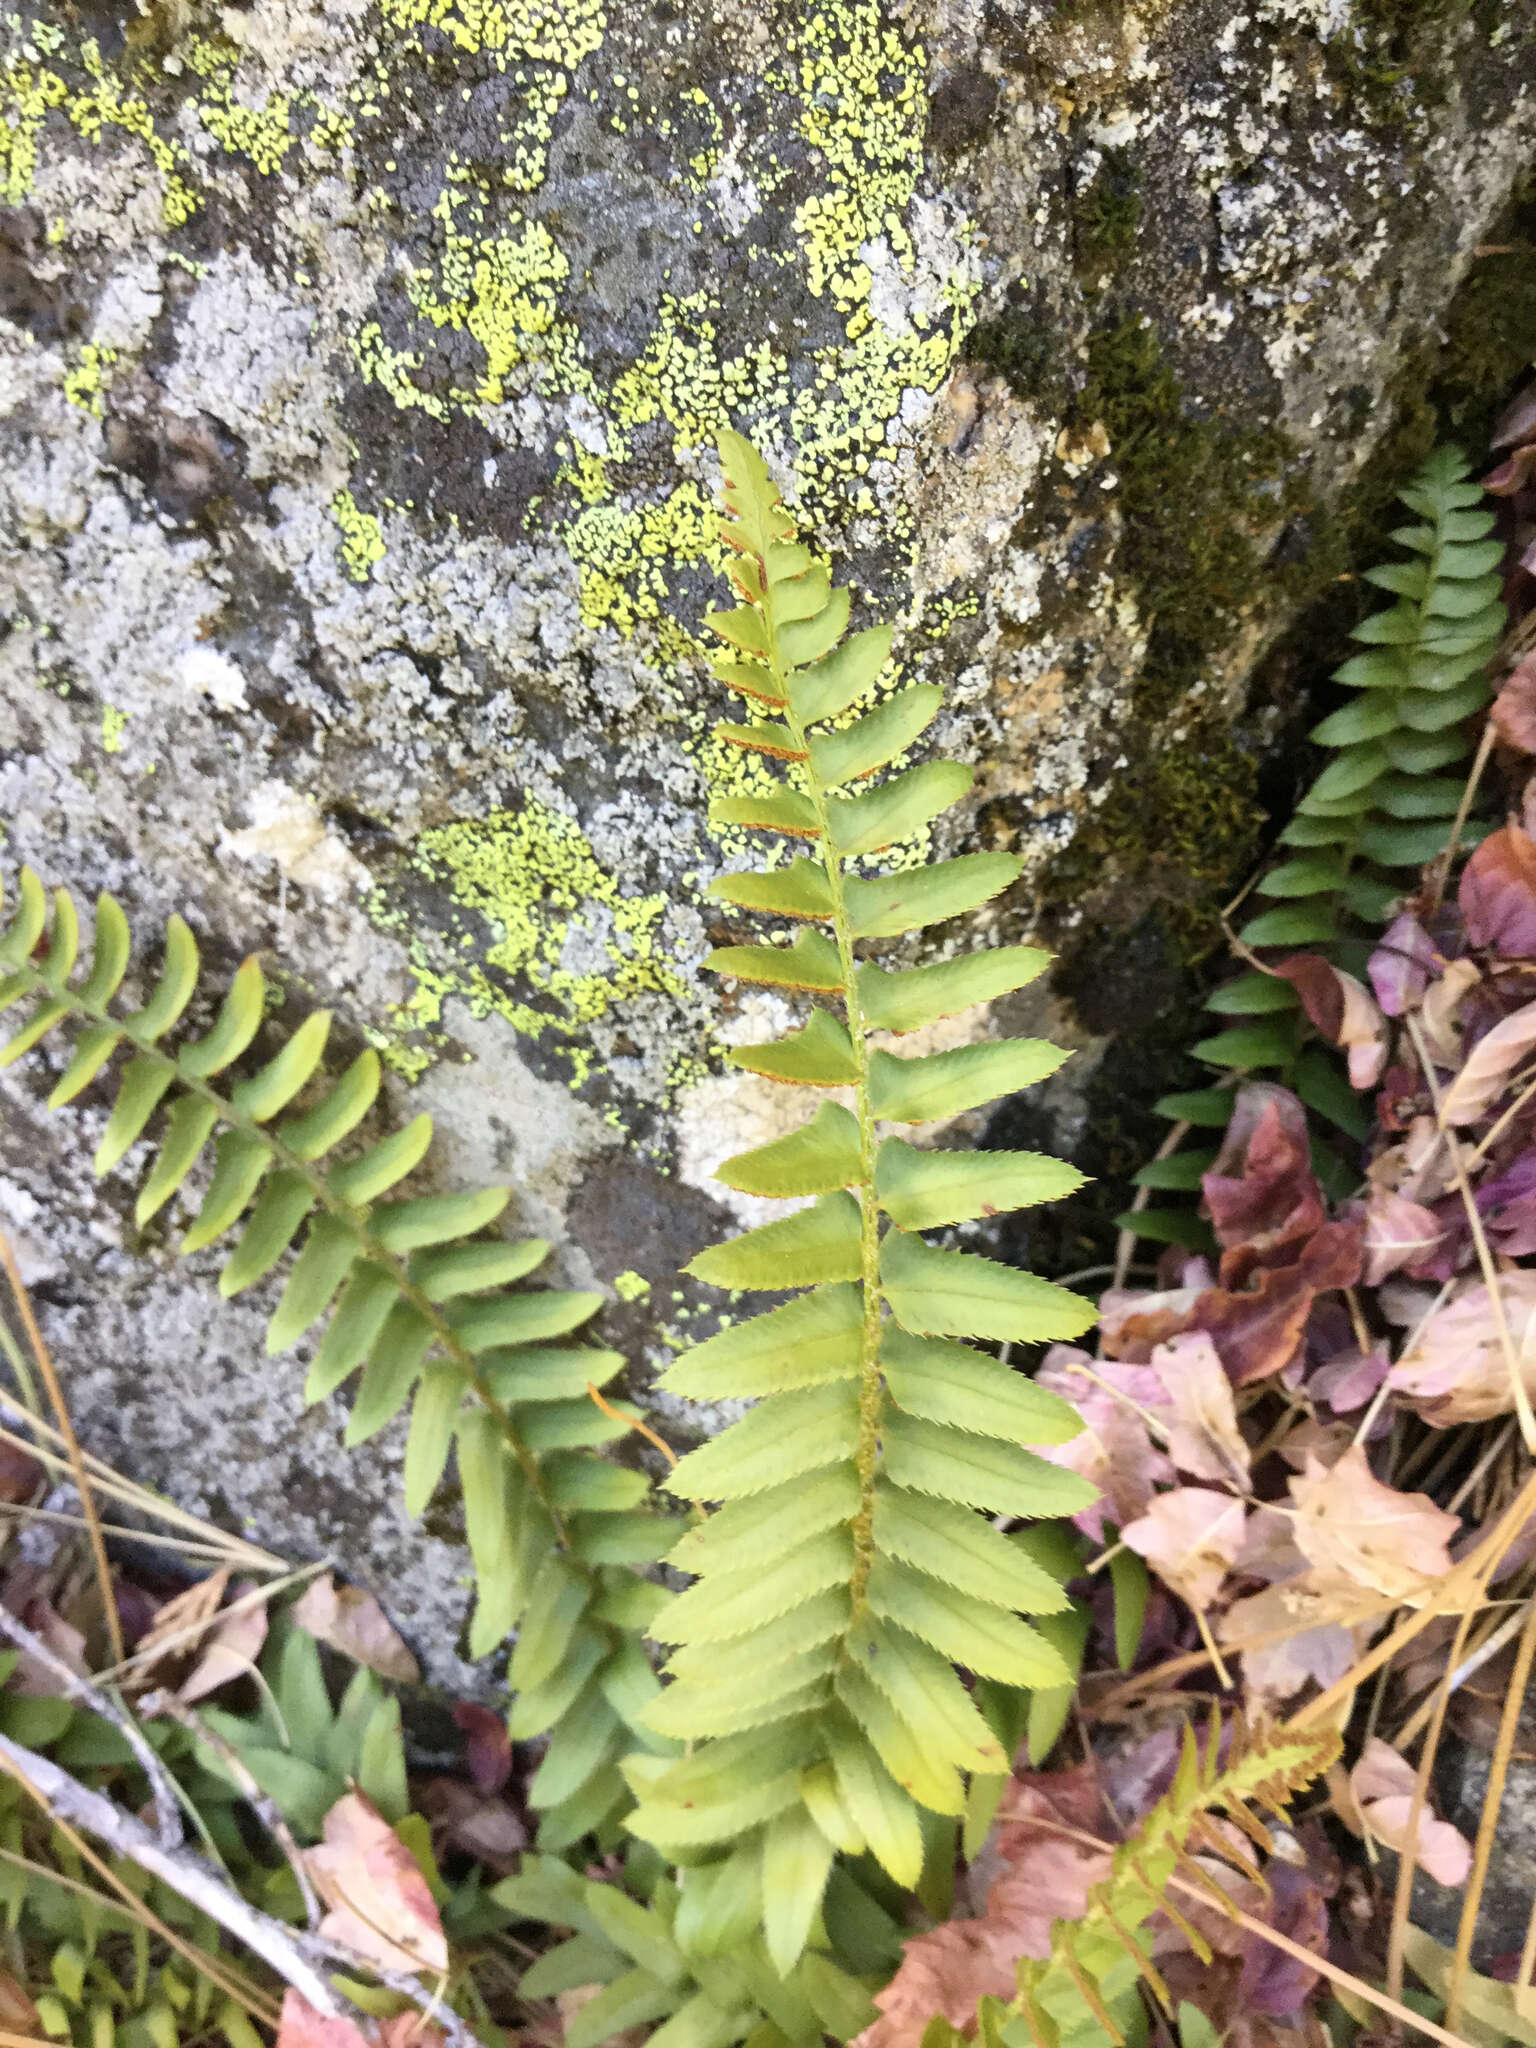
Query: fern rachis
[[847, 1572], [417, 1304]]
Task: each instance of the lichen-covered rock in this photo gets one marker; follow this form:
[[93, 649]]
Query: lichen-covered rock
[[359, 367]]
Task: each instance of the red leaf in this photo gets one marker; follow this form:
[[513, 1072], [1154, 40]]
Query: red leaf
[[1343, 1010], [1498, 893], [1257, 1330], [1402, 964], [487, 1745], [1514, 709], [1261, 1192]]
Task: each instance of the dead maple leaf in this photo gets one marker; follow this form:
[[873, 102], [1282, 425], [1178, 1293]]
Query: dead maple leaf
[[1190, 1537], [1350, 1526], [1257, 1329], [1514, 709], [353, 1622], [381, 1904], [1489, 1067], [1310, 1646], [1203, 1437], [487, 1745], [18, 2015], [1261, 1193], [1456, 1369], [1381, 1788], [300, 2026], [1401, 967], [1397, 1233]]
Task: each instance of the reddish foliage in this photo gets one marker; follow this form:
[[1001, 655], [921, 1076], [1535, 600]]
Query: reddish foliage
[[1498, 893], [1258, 1329], [1261, 1192]]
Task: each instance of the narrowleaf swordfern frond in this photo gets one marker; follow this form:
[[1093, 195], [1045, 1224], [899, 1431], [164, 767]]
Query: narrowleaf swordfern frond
[[1086, 1992], [1381, 809], [848, 1571], [419, 1306]]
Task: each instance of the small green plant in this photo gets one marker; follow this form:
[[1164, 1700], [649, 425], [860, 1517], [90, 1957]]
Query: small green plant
[[1087, 1991], [848, 1571], [419, 1303], [1382, 808]]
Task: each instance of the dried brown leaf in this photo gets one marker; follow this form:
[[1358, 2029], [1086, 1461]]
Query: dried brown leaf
[[1381, 1784], [381, 1904], [1203, 1437], [1190, 1536], [1352, 1527], [353, 1622]]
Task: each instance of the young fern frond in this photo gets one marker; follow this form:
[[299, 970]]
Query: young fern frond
[[418, 1307], [848, 1571], [1084, 1995], [1377, 813]]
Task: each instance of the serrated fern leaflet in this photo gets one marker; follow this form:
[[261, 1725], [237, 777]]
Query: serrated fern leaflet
[[418, 1305], [847, 1572], [1381, 809]]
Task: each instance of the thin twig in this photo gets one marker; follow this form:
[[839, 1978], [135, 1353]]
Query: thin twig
[[1440, 874], [71, 1443], [235, 1549], [219, 1969], [261, 1804], [257, 1597], [163, 1792], [295, 1956], [1518, 1388], [65, 1798]]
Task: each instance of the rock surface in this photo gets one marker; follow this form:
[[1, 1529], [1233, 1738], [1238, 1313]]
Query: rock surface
[[359, 365]]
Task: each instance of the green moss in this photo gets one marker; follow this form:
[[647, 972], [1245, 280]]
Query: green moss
[[1105, 217], [1393, 56], [1195, 490]]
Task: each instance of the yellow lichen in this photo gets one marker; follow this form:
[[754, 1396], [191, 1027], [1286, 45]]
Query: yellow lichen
[[112, 723], [84, 384], [362, 542], [568, 943]]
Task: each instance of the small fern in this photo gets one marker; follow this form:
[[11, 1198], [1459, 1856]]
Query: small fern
[[848, 1571], [1086, 1992], [1378, 812], [418, 1306]]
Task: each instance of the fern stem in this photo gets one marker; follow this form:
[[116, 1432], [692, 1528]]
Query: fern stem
[[353, 1220], [867, 1454]]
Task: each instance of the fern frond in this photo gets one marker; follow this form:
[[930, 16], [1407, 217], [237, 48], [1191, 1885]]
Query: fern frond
[[418, 1307], [1381, 808], [1087, 1990], [849, 1573]]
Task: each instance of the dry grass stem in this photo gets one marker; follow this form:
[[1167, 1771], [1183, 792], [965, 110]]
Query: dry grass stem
[[66, 1430]]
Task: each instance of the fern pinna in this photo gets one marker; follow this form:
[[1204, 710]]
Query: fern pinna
[[1378, 812], [848, 1571], [1086, 1993], [418, 1305]]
